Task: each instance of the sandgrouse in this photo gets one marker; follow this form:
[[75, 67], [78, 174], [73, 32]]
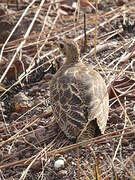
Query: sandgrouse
[[78, 96]]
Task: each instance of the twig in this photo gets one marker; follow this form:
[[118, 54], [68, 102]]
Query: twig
[[25, 37]]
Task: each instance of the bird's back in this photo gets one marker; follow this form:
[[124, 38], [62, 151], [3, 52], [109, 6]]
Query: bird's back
[[78, 94]]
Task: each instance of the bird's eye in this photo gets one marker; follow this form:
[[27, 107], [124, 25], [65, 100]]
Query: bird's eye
[[61, 46]]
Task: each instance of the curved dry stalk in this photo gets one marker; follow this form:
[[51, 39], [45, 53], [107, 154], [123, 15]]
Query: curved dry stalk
[[94, 141], [25, 36]]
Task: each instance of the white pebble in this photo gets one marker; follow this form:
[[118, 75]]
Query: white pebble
[[59, 164]]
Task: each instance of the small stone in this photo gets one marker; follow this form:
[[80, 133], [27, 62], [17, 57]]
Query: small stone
[[125, 142], [43, 90], [73, 163], [59, 164], [48, 77], [34, 126], [108, 144], [62, 173], [101, 158], [33, 90], [2, 104], [69, 159], [120, 126], [14, 116], [5, 137], [21, 103]]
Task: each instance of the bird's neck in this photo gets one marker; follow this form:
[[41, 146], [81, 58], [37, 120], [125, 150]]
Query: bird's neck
[[70, 59]]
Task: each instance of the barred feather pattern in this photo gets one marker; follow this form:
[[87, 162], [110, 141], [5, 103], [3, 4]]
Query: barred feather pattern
[[78, 94]]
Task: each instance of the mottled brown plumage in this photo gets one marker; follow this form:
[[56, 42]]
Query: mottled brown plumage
[[78, 94]]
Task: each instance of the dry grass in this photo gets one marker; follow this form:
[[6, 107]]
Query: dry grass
[[112, 53]]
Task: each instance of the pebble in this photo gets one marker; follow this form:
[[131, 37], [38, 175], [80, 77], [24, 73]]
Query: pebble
[[120, 126], [5, 137], [48, 77], [59, 164], [14, 116], [69, 159], [125, 142], [21, 102], [34, 126], [2, 104], [62, 173], [33, 90], [73, 163]]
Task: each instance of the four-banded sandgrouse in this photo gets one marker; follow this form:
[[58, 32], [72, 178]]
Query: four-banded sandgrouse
[[78, 94]]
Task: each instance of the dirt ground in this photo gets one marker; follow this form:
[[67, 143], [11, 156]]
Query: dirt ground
[[32, 146]]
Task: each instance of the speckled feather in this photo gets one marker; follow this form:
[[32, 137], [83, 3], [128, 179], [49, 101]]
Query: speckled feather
[[78, 94]]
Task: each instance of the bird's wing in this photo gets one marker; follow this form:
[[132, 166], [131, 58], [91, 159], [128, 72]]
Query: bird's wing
[[79, 96]]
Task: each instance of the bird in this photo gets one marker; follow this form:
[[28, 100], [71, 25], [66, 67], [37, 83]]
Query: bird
[[78, 96]]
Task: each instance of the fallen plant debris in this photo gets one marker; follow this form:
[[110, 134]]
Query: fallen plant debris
[[124, 87], [31, 142]]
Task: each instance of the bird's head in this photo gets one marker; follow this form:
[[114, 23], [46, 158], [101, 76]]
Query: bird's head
[[70, 49]]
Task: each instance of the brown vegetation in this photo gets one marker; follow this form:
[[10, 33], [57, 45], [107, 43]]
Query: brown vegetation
[[30, 139]]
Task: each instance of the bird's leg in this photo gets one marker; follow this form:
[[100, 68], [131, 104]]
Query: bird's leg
[[85, 35]]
